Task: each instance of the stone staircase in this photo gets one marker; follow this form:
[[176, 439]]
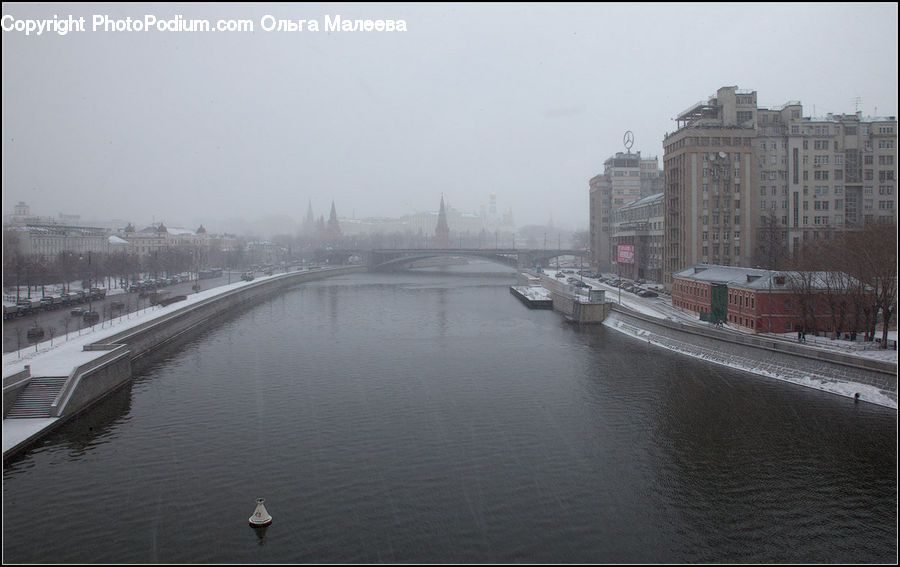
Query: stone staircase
[[34, 401]]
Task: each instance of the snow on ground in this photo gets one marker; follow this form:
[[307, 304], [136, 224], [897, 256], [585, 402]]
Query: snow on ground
[[57, 357], [866, 392], [534, 293], [661, 307], [17, 430], [61, 355]]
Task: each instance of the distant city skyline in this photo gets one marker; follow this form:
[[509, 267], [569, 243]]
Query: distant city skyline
[[523, 100], [267, 226]]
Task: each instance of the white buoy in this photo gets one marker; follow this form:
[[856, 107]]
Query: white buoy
[[260, 516]]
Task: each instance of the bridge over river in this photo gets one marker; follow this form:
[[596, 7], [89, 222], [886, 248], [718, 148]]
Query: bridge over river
[[396, 258]]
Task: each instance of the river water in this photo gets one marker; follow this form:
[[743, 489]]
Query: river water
[[430, 417]]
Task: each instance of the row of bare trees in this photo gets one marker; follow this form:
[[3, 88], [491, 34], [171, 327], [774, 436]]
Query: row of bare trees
[[849, 278], [91, 268]]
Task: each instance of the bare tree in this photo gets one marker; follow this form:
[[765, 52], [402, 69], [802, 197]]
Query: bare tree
[[873, 259], [771, 244], [65, 323]]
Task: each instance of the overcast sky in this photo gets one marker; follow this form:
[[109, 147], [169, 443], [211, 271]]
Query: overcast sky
[[522, 100]]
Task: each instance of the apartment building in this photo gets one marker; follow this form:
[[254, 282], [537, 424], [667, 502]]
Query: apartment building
[[626, 177], [745, 186], [638, 239]]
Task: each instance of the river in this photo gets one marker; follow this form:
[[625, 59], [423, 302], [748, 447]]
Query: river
[[430, 417]]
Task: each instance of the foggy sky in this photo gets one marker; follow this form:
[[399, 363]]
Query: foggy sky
[[522, 100]]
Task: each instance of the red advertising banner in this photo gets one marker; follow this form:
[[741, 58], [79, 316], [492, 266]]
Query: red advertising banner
[[626, 254]]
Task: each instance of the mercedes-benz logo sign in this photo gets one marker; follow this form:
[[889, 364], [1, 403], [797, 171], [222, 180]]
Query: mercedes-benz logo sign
[[629, 140]]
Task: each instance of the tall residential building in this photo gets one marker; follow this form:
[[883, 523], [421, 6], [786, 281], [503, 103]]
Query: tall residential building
[[745, 186], [626, 177]]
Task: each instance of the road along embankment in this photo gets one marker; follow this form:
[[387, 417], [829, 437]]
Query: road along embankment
[[94, 377], [874, 380]]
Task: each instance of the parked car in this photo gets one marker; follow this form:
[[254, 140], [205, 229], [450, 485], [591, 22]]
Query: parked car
[[78, 311], [247, 276], [90, 317], [10, 311]]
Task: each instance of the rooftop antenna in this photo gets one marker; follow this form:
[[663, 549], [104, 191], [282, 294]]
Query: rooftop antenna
[[857, 100]]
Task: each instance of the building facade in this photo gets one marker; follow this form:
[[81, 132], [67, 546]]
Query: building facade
[[626, 177], [47, 241], [768, 301], [746, 186], [637, 237]]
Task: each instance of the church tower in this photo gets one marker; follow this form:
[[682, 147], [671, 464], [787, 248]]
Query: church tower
[[333, 229], [442, 231]]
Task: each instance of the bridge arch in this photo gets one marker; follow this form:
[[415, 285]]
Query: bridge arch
[[396, 259]]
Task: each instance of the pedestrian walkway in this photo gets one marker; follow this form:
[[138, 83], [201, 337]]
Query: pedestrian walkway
[[28, 419]]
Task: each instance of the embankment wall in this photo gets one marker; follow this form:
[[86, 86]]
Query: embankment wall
[[756, 352]]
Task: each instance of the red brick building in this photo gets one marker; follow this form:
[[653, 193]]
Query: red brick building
[[766, 301]]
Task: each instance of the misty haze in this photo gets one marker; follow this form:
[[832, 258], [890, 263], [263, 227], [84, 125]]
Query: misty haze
[[450, 283]]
